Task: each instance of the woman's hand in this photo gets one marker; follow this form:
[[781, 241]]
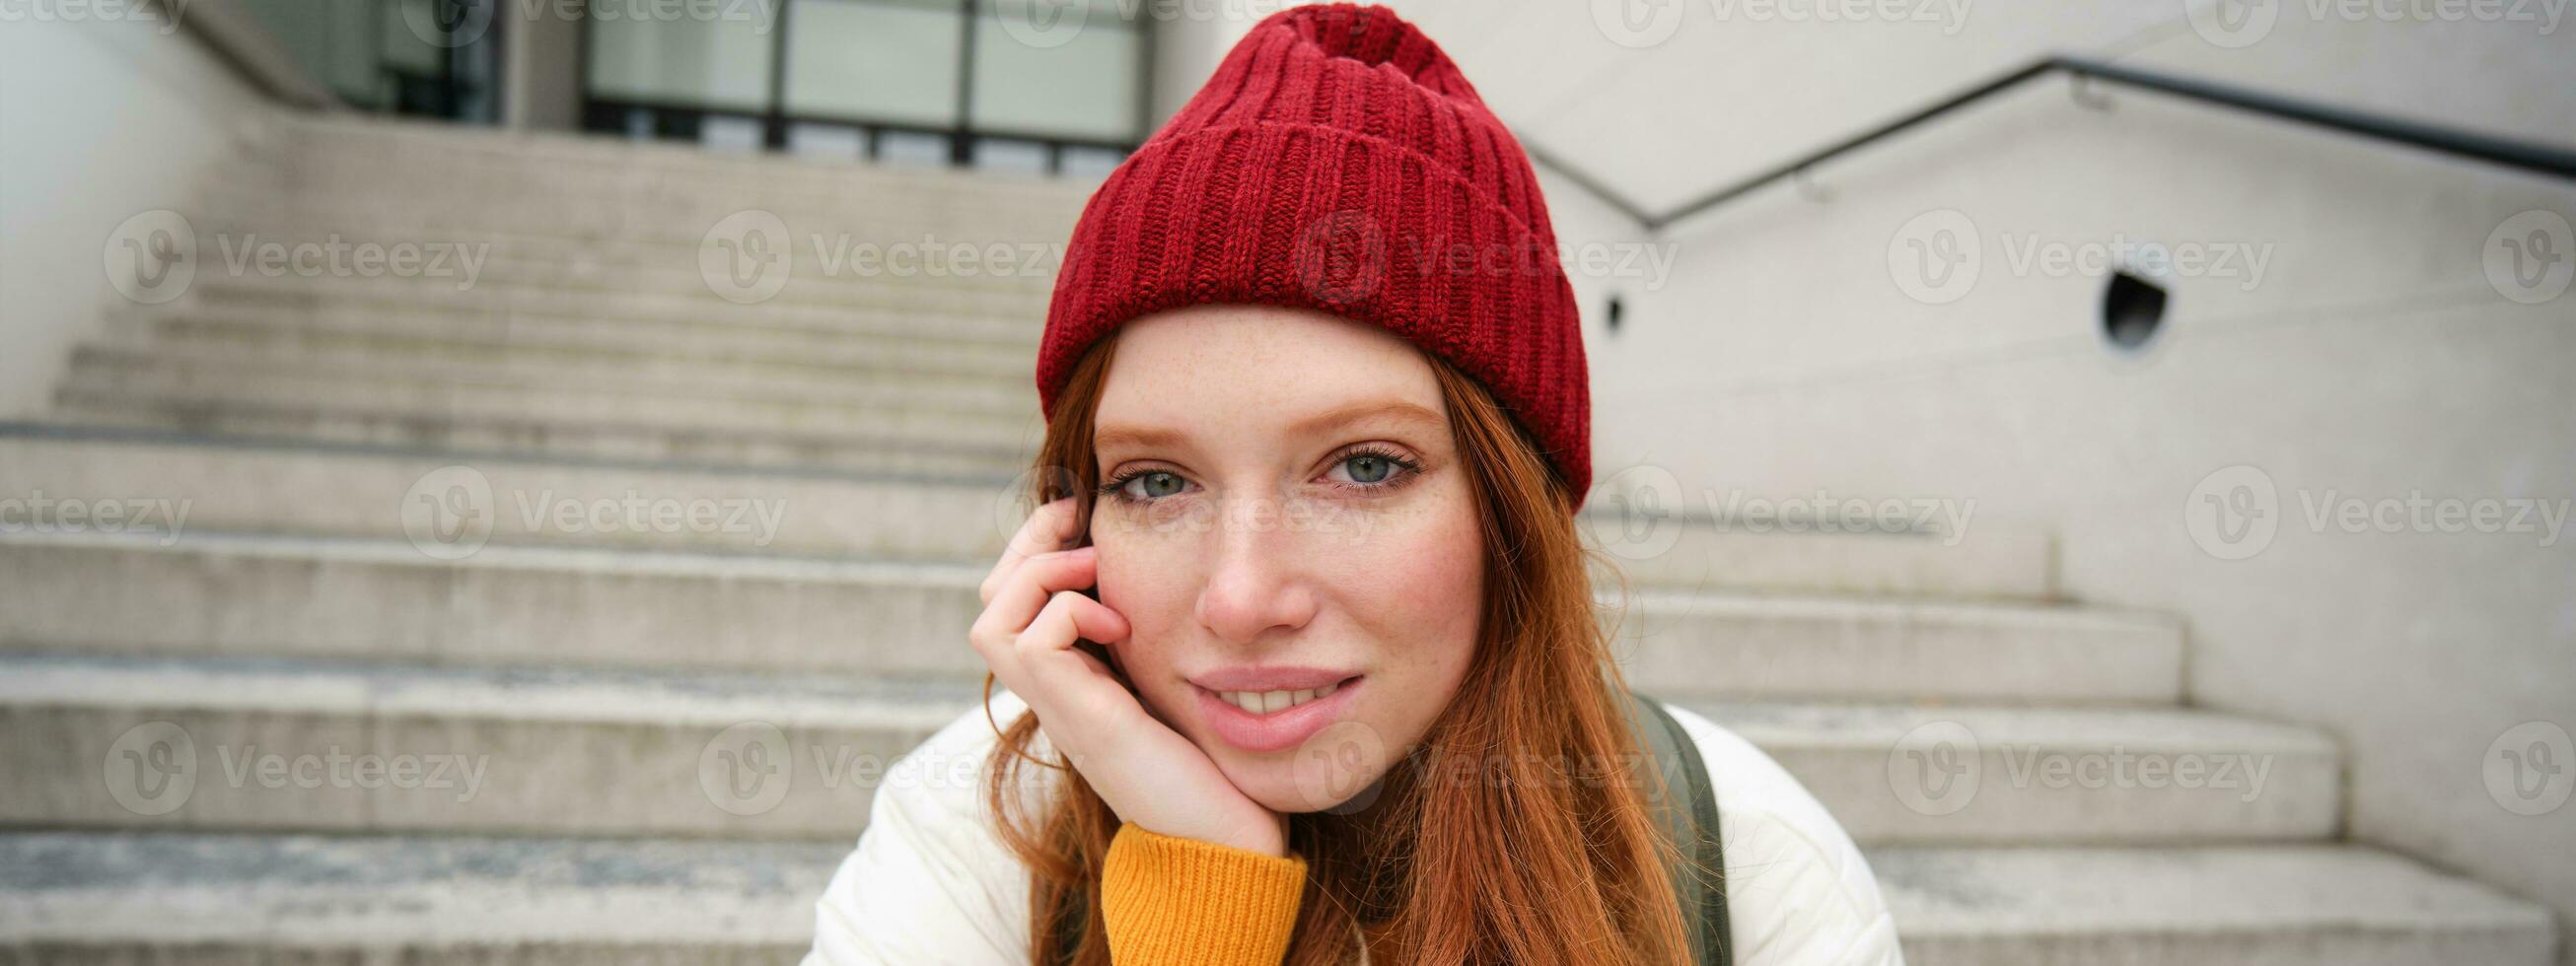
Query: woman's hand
[[1034, 611]]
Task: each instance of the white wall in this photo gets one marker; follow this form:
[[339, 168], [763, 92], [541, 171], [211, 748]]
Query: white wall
[[2373, 358], [103, 120]]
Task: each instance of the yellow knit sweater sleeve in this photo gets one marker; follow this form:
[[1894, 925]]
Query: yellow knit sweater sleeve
[[1188, 902]]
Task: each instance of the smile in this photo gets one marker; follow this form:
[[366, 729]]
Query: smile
[[1271, 721], [1265, 702]]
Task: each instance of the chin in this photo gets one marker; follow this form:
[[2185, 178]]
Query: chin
[[1309, 779]]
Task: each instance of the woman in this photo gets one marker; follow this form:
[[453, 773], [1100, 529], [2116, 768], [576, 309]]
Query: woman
[[1300, 648]]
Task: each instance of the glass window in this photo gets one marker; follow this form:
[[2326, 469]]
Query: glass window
[[720, 61], [1045, 68], [892, 61]]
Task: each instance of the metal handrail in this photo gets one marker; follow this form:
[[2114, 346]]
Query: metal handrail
[[2504, 152]]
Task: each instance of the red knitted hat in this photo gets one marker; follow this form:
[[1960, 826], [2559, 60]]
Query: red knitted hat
[[1338, 161]]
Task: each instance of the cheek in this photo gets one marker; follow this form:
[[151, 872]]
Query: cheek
[[1415, 582], [1140, 582]]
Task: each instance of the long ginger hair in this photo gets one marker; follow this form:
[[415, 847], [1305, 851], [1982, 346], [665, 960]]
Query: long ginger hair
[[1546, 855]]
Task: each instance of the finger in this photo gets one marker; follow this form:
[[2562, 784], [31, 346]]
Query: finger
[[1068, 617], [1020, 596], [1047, 529], [1064, 677]]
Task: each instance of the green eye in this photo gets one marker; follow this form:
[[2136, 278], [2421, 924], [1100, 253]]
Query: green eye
[[1368, 468]]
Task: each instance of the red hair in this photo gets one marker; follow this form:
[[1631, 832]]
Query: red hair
[[1547, 856]]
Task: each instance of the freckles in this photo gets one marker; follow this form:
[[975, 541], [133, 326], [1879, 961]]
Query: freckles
[[1421, 571]]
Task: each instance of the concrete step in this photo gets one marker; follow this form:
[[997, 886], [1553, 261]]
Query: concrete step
[[458, 594], [2315, 905], [252, 486], [581, 348], [330, 746], [569, 160], [822, 224], [437, 900], [459, 277], [648, 312], [875, 254], [2027, 775], [248, 483], [615, 169], [621, 752], [128, 897], [480, 435], [417, 395], [732, 330], [1990, 558], [209, 593], [969, 406], [610, 168], [1867, 647]]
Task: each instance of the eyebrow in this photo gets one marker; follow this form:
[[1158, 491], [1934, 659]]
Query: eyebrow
[[1158, 436]]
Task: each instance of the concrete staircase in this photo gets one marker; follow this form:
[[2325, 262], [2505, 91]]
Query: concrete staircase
[[481, 591]]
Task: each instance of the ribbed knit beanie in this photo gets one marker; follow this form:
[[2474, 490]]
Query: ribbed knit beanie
[[1338, 161]]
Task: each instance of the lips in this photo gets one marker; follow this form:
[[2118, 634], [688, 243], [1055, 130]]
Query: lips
[[1283, 728]]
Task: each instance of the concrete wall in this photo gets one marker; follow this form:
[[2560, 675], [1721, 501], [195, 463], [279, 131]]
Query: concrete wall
[[1805, 345], [104, 120], [2352, 338], [541, 68]]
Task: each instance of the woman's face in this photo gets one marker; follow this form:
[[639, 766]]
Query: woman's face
[[1288, 520]]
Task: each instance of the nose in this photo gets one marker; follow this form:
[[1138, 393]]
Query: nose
[[1255, 574]]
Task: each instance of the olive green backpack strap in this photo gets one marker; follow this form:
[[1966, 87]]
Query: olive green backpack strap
[[1689, 815]]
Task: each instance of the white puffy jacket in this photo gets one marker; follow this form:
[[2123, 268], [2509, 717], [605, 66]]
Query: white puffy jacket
[[931, 883]]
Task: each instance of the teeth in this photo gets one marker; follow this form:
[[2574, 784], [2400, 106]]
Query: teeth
[[1266, 702]]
